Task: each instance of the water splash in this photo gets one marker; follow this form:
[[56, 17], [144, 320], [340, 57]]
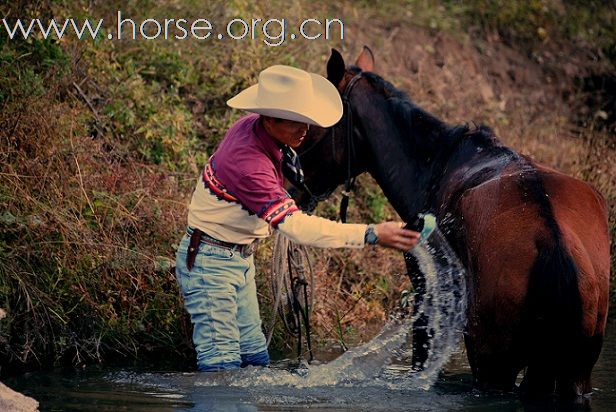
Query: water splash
[[384, 361], [444, 305]]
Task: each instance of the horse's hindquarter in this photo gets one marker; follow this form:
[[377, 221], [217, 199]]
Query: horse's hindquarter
[[581, 214], [502, 223], [499, 227], [509, 221]]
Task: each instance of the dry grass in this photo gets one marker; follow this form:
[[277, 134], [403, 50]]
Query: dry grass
[[101, 143]]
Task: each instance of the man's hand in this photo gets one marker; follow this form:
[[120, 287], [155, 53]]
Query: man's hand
[[392, 235]]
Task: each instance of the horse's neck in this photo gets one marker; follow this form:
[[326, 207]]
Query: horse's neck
[[404, 157], [426, 164]]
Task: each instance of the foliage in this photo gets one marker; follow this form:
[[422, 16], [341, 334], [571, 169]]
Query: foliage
[[100, 145]]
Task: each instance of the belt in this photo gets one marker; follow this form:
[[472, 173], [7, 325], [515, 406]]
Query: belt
[[197, 236]]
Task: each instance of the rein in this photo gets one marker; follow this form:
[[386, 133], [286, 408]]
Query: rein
[[289, 278], [349, 182], [292, 281]]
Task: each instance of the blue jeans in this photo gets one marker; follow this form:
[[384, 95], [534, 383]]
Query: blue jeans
[[221, 297]]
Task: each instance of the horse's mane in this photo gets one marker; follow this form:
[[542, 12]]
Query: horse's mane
[[441, 135], [439, 146]]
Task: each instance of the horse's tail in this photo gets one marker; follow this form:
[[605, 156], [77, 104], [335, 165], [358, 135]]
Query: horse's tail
[[555, 315], [557, 349]]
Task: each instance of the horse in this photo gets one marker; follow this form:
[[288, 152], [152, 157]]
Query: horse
[[534, 242]]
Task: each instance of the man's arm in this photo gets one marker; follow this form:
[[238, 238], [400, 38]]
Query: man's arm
[[317, 231], [261, 193]]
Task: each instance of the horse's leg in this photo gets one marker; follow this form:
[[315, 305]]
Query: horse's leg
[[577, 383], [540, 382], [570, 375], [573, 382], [492, 370], [421, 334]]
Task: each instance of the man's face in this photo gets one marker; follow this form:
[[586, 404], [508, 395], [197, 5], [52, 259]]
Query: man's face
[[288, 132]]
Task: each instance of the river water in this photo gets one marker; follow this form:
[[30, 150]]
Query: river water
[[99, 389], [375, 376]]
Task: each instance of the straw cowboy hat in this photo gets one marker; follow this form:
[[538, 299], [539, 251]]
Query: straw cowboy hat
[[293, 94]]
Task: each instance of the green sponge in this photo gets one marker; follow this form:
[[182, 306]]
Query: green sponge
[[429, 226]]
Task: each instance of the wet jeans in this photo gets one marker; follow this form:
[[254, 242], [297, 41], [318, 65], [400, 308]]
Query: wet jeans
[[221, 297]]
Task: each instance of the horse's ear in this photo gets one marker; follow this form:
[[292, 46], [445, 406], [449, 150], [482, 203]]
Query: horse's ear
[[335, 67], [365, 61]]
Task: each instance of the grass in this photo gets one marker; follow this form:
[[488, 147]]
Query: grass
[[102, 141]]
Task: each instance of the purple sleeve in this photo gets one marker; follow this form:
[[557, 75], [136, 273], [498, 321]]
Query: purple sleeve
[[261, 194]]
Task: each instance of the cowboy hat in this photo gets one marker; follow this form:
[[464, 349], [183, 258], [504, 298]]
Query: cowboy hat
[[293, 94]]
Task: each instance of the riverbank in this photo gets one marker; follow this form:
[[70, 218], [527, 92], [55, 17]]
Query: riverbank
[[16, 402], [103, 140]]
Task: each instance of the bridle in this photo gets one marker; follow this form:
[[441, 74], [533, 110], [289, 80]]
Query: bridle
[[349, 182], [298, 285]]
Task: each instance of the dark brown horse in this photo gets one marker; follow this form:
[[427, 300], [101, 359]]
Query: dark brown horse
[[534, 241]]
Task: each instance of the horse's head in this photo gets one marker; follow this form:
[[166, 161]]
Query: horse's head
[[330, 156], [381, 131]]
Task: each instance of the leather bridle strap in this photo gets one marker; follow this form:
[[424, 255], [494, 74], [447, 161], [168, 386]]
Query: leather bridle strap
[[349, 182]]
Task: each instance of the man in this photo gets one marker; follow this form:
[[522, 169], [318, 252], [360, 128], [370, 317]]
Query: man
[[240, 198]]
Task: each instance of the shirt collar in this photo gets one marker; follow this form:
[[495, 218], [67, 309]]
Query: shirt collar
[[272, 146]]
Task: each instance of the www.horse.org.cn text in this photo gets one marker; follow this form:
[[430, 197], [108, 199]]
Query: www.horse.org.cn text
[[272, 31]]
